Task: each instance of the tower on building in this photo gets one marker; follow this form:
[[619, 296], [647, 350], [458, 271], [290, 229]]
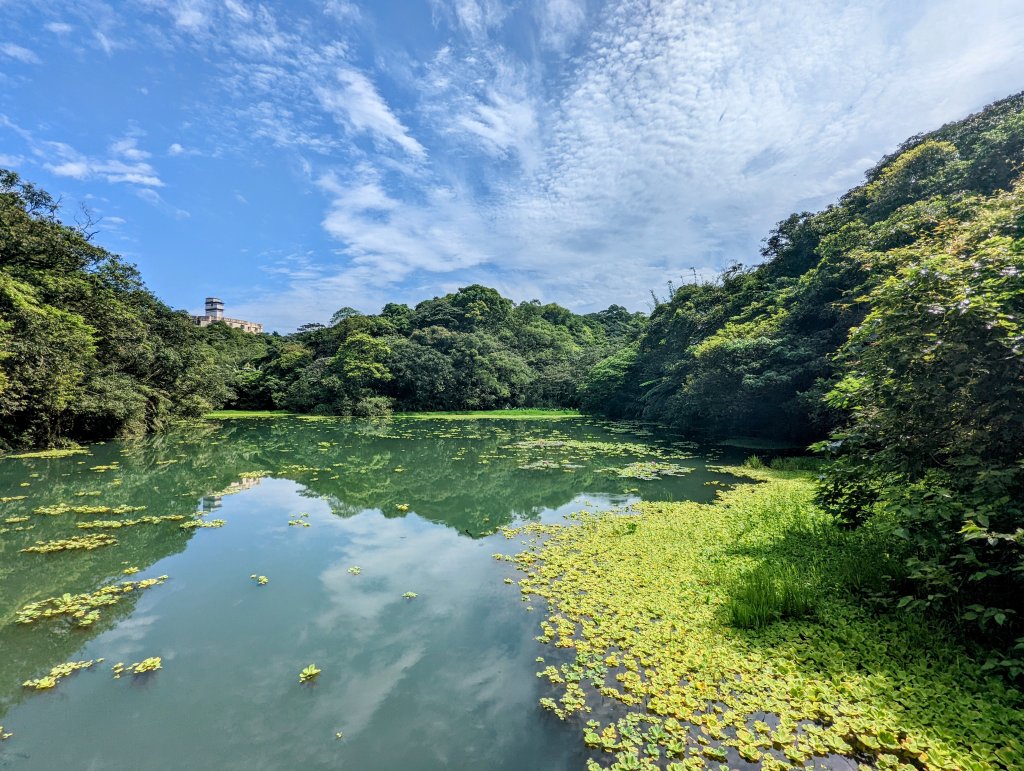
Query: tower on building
[[215, 313], [215, 308]]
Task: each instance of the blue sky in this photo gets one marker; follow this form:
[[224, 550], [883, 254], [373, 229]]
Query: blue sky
[[297, 157]]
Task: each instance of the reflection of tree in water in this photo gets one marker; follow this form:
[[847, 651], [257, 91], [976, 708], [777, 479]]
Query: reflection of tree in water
[[461, 475]]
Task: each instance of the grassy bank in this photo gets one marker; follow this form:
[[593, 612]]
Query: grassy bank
[[518, 414], [737, 632], [523, 414], [231, 414]]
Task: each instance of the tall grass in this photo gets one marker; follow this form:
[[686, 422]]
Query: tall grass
[[771, 593]]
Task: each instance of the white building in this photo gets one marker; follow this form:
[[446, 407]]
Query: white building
[[215, 312]]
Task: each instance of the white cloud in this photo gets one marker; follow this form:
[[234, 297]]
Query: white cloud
[[560, 21], [19, 53], [575, 151], [58, 27], [355, 102], [127, 147], [127, 165]]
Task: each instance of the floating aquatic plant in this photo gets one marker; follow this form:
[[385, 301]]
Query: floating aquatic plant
[[138, 668], [648, 470], [5, 735], [403, 507], [355, 570], [647, 622], [260, 580], [197, 523], [62, 453], [410, 595], [86, 542], [57, 674], [82, 609], [63, 508], [117, 524], [309, 673]]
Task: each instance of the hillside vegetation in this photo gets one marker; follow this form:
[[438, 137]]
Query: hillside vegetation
[[889, 324], [86, 351]]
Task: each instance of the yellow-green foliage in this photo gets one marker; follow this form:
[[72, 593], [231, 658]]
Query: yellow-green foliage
[[643, 602], [82, 609], [87, 542], [51, 453], [57, 674], [138, 668], [202, 523], [62, 508], [308, 674], [115, 524]]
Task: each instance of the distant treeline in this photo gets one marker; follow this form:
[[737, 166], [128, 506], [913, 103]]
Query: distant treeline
[[472, 349], [887, 327]]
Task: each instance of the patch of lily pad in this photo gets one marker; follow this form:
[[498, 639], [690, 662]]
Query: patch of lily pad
[[201, 523], [63, 508], [649, 470], [151, 664], [61, 453]]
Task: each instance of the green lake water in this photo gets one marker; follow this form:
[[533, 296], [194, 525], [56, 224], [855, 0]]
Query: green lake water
[[445, 680]]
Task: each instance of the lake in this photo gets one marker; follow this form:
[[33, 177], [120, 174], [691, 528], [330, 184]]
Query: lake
[[343, 518]]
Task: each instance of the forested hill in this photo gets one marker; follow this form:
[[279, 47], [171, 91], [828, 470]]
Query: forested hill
[[893, 324], [756, 352], [472, 349]]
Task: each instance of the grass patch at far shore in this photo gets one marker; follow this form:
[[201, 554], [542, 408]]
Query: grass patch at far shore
[[231, 414], [517, 414]]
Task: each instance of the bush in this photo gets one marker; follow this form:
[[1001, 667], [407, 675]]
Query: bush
[[372, 407]]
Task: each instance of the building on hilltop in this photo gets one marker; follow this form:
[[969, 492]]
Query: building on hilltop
[[215, 312]]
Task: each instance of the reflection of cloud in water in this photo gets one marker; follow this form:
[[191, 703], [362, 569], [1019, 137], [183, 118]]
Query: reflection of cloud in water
[[391, 554], [388, 634], [364, 693], [123, 640]]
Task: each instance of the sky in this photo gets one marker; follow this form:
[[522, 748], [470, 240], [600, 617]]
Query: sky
[[297, 157]]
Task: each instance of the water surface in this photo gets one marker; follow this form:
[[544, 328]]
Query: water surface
[[443, 680]]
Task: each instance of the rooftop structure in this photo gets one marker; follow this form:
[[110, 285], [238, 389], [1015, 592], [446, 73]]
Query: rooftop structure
[[215, 312]]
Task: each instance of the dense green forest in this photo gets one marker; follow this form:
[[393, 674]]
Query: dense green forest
[[886, 328], [86, 351], [469, 350]]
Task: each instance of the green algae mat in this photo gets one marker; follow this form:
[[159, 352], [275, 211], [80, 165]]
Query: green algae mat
[[642, 622]]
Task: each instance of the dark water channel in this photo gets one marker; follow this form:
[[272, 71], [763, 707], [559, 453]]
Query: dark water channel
[[444, 680]]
